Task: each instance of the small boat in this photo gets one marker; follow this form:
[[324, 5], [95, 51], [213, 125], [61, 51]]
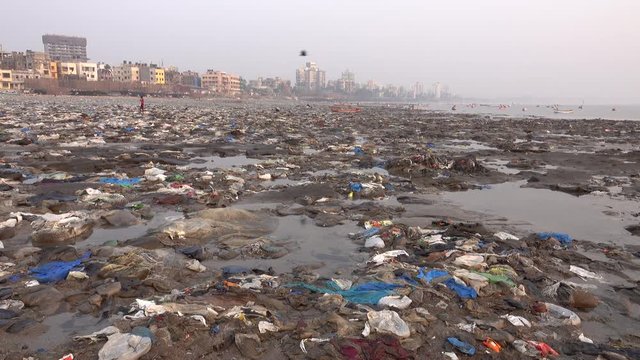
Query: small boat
[[557, 110], [345, 109], [524, 109], [453, 108]]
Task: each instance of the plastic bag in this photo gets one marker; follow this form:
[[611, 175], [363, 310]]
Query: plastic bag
[[124, 347], [564, 238], [388, 322], [56, 270], [462, 346], [375, 242]]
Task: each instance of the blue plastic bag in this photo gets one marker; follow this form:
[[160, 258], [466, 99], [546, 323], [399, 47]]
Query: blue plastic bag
[[463, 291], [564, 238], [121, 182], [56, 270], [355, 186], [358, 151], [431, 274], [462, 346]]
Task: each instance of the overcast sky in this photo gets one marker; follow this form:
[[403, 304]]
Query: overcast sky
[[480, 48]]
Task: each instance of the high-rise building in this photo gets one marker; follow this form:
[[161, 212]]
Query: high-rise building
[[65, 48], [437, 90], [221, 82], [310, 78], [347, 83]]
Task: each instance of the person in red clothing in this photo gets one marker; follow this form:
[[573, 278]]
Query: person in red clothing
[[141, 103]]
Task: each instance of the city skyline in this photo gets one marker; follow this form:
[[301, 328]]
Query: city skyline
[[490, 49]]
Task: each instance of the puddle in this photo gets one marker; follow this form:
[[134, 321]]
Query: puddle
[[312, 244], [217, 162], [279, 182], [101, 235], [465, 145], [500, 166], [373, 170], [59, 328], [546, 210]]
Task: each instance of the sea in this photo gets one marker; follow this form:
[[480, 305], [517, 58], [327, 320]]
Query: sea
[[622, 112]]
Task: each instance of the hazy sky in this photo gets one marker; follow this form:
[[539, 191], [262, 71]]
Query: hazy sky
[[482, 48]]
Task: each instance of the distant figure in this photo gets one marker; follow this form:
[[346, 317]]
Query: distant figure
[[524, 109], [303, 52], [613, 109], [453, 108], [141, 103]]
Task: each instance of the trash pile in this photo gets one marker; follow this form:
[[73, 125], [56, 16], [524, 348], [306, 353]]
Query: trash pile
[[183, 232]]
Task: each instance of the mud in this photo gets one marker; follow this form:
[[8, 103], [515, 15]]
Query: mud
[[262, 199]]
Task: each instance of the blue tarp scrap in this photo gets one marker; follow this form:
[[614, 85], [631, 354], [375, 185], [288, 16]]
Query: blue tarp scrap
[[463, 291], [56, 270], [358, 151], [367, 293], [564, 238], [462, 346], [121, 182]]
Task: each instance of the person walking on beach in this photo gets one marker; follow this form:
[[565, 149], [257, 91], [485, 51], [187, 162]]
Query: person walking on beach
[[141, 103]]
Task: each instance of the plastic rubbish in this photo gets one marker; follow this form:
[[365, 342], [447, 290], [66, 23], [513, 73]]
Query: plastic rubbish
[[374, 242], [492, 344], [432, 274], [564, 238], [31, 283], [358, 151], [525, 348], [387, 256], [584, 273], [124, 347], [56, 270], [98, 335], [584, 339], [355, 187], [155, 174], [451, 355], [517, 320], [471, 261], [498, 279], [77, 275], [505, 236], [264, 326], [67, 357], [562, 316], [463, 291], [388, 322], [544, 349], [398, 302], [199, 318], [462, 346], [195, 265], [365, 233], [121, 182], [367, 293], [475, 280], [377, 224], [343, 283], [315, 340]]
